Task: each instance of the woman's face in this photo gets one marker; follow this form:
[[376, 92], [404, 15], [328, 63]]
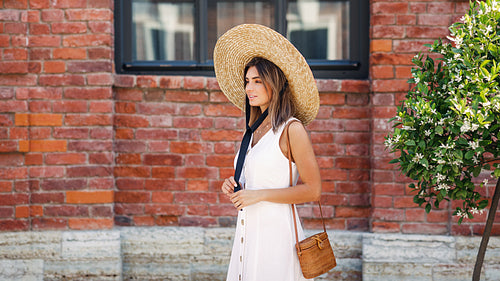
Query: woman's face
[[257, 93]]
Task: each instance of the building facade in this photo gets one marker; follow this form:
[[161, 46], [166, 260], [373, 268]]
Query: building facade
[[85, 147]]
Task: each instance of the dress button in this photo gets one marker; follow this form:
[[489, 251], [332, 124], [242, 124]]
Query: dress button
[[242, 222], [241, 259], [241, 239], [240, 276]]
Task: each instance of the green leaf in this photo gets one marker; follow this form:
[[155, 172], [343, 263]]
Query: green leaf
[[483, 204], [497, 172], [394, 161], [469, 154], [428, 208], [460, 220], [410, 143]]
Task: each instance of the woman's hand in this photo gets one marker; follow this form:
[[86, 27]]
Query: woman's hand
[[228, 186], [245, 198]]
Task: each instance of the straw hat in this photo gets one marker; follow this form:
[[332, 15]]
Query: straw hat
[[236, 47]]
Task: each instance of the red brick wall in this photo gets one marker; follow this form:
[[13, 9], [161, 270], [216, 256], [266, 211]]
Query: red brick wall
[[399, 30], [83, 148], [56, 115]]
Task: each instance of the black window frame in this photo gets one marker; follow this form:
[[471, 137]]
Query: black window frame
[[354, 68]]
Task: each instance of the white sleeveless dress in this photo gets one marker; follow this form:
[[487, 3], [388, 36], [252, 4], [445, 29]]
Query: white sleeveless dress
[[264, 243]]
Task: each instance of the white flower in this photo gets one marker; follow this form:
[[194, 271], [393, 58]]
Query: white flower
[[474, 144], [475, 160], [475, 211], [485, 181], [417, 157], [461, 214], [416, 80], [442, 186], [440, 177], [408, 128], [489, 29], [427, 133]]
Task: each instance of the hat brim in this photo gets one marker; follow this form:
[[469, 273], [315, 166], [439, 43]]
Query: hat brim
[[235, 49]]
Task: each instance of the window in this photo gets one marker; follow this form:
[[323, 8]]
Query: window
[[177, 37]]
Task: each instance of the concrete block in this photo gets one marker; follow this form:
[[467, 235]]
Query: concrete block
[[21, 270], [404, 248], [396, 271]]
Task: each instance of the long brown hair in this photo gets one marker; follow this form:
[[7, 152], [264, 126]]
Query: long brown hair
[[281, 106]]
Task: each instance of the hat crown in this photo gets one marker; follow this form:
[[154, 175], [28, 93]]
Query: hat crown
[[234, 50]]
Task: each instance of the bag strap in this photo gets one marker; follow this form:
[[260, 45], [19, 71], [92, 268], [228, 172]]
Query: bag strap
[[289, 152]]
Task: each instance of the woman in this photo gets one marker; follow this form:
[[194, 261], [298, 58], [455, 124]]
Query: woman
[[278, 89]]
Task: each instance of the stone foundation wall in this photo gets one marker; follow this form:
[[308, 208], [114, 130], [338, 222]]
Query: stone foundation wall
[[192, 253]]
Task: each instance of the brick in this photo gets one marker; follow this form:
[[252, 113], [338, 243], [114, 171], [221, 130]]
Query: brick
[[15, 4], [127, 146], [65, 158], [100, 4], [44, 198], [186, 96], [15, 28], [71, 133], [171, 82], [31, 16], [221, 110], [88, 120], [39, 4], [100, 79], [43, 146], [392, 85], [101, 133], [70, 106], [385, 227], [13, 199], [101, 211], [41, 119], [162, 197], [69, 53], [391, 59], [88, 224], [406, 19], [388, 214], [413, 46], [189, 148], [195, 198], [191, 173], [89, 171], [132, 196], [15, 54], [424, 228], [62, 4], [46, 172], [54, 67], [63, 184], [352, 212], [61, 80], [192, 122], [147, 81], [89, 197], [44, 41], [381, 45], [8, 146], [88, 14], [169, 160], [86, 40], [389, 32], [14, 225], [66, 211], [124, 80], [163, 172], [100, 53], [140, 172], [13, 67], [89, 66], [68, 27], [165, 184], [220, 160], [88, 93], [130, 121], [155, 108], [124, 134], [389, 8]]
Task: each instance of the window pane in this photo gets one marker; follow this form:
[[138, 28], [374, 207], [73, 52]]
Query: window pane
[[163, 30], [319, 29], [223, 15]]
